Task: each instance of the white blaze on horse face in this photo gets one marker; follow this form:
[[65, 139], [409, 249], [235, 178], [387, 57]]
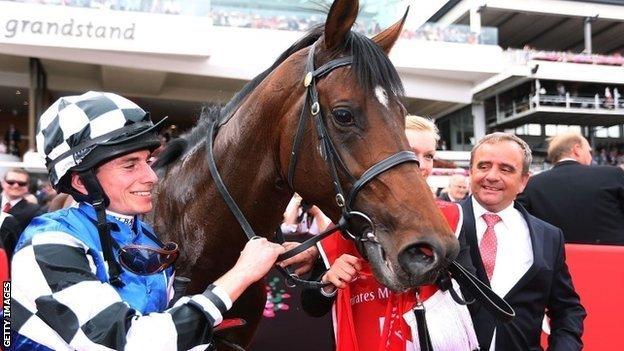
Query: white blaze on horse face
[[381, 95]]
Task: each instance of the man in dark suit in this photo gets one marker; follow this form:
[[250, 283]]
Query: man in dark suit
[[521, 257], [14, 188], [586, 202]]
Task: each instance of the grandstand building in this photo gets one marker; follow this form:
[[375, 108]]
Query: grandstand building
[[534, 67], [563, 69]]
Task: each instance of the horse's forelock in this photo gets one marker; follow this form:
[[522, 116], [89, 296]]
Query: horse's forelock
[[372, 66]]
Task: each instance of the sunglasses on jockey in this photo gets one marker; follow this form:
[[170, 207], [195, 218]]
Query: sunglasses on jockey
[[147, 260]]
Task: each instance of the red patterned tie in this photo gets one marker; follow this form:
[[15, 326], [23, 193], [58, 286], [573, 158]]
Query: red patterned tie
[[7, 207], [488, 244]]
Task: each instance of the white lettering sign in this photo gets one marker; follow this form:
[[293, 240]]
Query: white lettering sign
[[85, 28]]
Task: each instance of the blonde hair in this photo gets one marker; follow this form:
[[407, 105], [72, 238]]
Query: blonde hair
[[561, 145], [418, 123]]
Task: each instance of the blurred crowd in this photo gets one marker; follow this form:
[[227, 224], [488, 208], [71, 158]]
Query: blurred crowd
[[153, 6], [286, 21], [10, 143]]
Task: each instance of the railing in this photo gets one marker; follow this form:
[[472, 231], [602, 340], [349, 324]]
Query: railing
[[457, 33], [590, 103], [525, 55]]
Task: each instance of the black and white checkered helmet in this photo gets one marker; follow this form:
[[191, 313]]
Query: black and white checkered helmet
[[80, 132]]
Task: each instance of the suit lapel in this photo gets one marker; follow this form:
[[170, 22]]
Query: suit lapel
[[537, 245], [19, 206]]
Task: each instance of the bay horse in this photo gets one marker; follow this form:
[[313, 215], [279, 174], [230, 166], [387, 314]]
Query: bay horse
[[359, 108]]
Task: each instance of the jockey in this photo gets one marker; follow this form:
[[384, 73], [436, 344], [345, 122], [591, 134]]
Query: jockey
[[95, 276]]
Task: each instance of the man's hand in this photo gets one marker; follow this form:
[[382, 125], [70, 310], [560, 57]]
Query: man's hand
[[302, 262]]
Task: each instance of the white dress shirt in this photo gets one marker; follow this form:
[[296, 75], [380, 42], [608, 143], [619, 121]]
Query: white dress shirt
[[514, 251]]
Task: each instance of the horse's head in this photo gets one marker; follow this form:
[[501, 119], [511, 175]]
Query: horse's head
[[360, 123]]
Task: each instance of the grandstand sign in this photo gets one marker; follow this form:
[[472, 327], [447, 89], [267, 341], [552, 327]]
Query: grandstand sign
[[100, 29]]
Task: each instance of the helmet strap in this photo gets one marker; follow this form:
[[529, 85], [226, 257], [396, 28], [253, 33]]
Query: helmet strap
[[100, 201]]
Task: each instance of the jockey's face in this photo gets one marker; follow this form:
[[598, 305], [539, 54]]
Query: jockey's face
[[128, 181]]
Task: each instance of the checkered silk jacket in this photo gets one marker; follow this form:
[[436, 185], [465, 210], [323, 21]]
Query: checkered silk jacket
[[62, 300]]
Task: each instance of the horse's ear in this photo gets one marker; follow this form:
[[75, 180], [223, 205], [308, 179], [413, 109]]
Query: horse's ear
[[388, 37], [340, 19]]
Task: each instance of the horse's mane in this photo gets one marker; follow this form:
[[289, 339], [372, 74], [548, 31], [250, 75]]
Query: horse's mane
[[371, 65]]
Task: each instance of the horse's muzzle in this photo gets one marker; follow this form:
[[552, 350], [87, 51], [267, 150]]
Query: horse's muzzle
[[421, 258]]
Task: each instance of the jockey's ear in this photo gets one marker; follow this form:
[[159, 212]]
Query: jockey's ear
[[340, 19], [77, 184], [389, 36]]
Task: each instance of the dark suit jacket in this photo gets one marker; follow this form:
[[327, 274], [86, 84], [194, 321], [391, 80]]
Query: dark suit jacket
[[24, 211], [9, 233], [586, 202], [546, 285]]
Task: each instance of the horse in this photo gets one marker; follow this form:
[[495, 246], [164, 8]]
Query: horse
[[266, 148]]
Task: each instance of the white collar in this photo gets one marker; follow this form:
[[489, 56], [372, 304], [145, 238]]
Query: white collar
[[5, 199], [504, 214], [126, 219]]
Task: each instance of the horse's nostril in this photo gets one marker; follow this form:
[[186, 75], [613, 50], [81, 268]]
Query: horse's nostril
[[422, 253], [418, 258]]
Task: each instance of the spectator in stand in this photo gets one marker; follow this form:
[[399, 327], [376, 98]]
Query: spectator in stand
[[457, 189], [520, 256], [12, 137], [586, 202], [3, 147], [601, 157]]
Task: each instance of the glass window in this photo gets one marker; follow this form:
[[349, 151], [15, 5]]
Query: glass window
[[610, 132], [550, 130], [534, 129], [614, 132], [575, 129]]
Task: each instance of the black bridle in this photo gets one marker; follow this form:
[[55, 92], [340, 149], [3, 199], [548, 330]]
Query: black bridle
[[334, 161], [360, 233], [311, 107]]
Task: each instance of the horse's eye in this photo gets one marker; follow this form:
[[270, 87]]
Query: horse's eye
[[343, 116]]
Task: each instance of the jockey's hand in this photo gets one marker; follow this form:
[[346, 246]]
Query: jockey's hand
[[342, 272], [257, 258], [255, 261], [303, 262]]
